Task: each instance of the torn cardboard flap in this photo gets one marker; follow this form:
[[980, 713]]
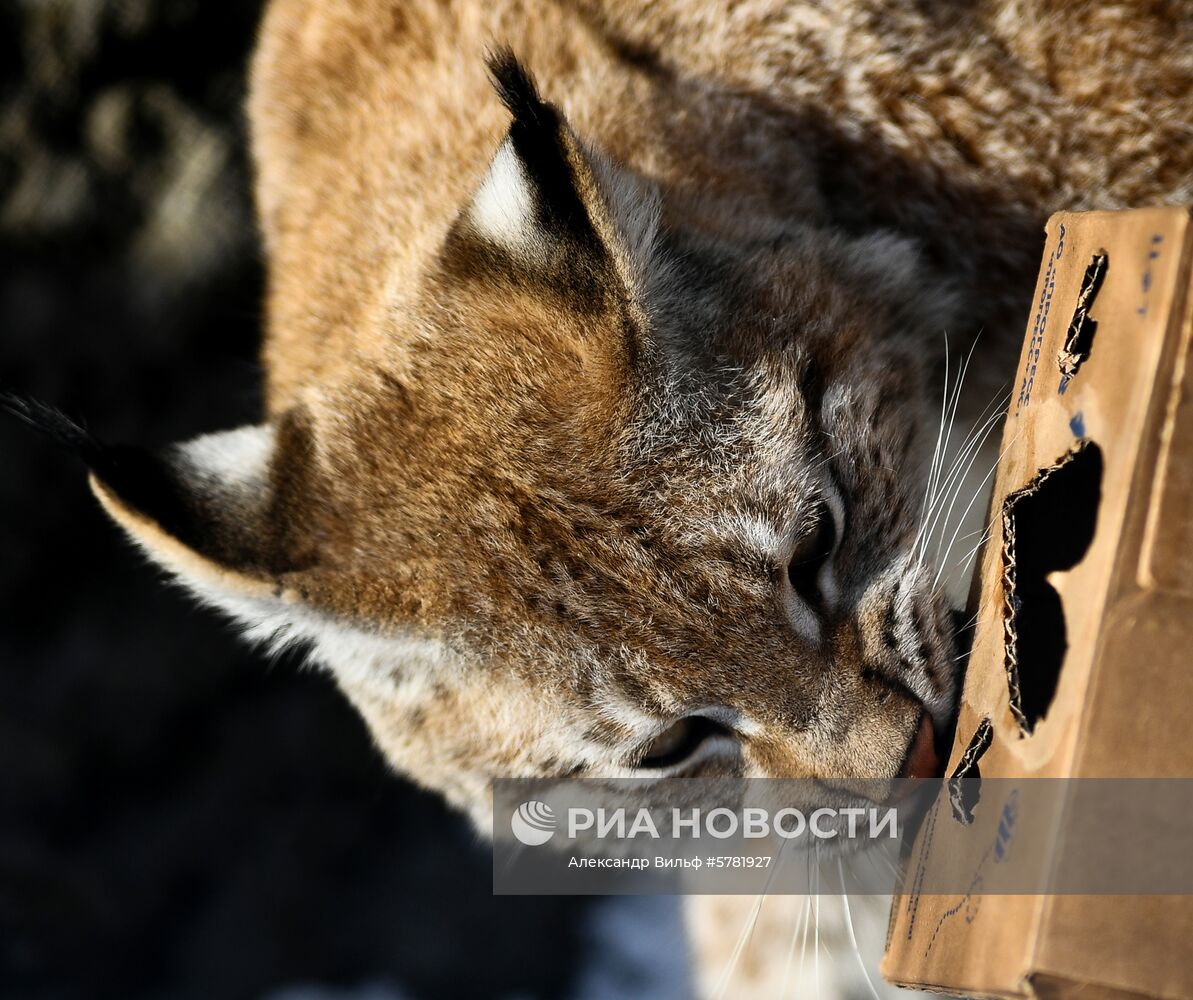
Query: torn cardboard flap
[[1047, 527], [1084, 603], [1082, 327], [962, 784]]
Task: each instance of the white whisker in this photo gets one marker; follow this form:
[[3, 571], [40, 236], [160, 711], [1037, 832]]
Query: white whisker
[[963, 562], [954, 402], [803, 948], [955, 481], [981, 489], [947, 418], [748, 930], [998, 401], [816, 938], [739, 947], [944, 405], [801, 919], [852, 936], [940, 490], [971, 450]]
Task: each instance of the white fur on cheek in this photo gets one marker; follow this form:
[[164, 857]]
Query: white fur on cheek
[[502, 210]]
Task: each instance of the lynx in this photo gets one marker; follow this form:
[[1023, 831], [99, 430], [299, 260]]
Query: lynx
[[604, 355]]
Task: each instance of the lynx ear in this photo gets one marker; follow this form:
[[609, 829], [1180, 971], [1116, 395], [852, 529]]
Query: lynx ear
[[202, 509], [553, 210], [206, 510]]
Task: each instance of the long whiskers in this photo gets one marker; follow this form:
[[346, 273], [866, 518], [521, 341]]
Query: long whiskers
[[816, 932], [747, 931], [944, 500], [742, 939], [964, 562], [801, 919], [935, 488], [979, 491], [944, 405], [947, 491], [852, 935], [948, 414]]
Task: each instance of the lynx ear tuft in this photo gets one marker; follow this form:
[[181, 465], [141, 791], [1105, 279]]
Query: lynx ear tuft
[[552, 211], [517, 90], [53, 423], [535, 175], [134, 473], [204, 509]]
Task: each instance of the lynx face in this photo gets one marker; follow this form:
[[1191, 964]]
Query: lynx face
[[631, 499]]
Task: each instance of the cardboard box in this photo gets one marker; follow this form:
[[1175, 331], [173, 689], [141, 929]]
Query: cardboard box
[[1082, 662]]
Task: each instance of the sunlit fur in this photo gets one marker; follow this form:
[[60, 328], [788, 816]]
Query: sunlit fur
[[555, 390]]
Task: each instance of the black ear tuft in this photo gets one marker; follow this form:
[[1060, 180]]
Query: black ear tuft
[[518, 92], [537, 134], [54, 424], [138, 476]]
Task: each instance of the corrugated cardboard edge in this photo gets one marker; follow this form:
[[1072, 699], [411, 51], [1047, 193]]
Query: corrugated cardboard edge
[[1144, 486], [1147, 481], [1010, 569], [1130, 589], [1052, 238]]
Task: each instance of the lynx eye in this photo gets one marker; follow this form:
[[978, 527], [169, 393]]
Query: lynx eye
[[679, 741], [810, 555]]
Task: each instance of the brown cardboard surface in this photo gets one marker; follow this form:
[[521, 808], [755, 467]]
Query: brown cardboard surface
[[1106, 361]]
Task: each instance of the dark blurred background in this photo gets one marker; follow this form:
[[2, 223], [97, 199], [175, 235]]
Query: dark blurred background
[[179, 817]]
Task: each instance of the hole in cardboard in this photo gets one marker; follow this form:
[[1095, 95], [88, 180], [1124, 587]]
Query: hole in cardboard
[[1080, 336], [1047, 528], [965, 782]]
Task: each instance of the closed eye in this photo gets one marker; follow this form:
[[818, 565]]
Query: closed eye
[[809, 558], [679, 742]]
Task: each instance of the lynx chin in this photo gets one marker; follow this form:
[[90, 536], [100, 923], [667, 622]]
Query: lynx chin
[[605, 353]]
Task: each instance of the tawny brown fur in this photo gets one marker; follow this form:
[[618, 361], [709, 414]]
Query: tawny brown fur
[[529, 501]]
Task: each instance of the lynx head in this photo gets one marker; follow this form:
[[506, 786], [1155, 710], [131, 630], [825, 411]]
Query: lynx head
[[628, 495]]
